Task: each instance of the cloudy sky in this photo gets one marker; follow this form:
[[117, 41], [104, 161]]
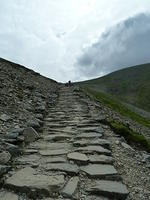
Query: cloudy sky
[[75, 39]]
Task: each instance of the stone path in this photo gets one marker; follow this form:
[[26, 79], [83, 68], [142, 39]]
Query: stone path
[[71, 160]]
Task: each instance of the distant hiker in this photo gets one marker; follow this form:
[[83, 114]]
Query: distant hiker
[[69, 83]]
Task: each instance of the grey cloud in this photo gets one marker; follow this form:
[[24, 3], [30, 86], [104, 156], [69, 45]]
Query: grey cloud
[[125, 44]]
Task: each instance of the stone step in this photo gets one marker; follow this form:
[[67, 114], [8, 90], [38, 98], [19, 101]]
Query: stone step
[[79, 158], [94, 142], [111, 189], [70, 188], [100, 159], [93, 150], [53, 152], [70, 169], [34, 183], [57, 137], [100, 171], [92, 129], [88, 135]]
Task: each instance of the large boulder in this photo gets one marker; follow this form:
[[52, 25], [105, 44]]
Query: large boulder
[[4, 157], [30, 135]]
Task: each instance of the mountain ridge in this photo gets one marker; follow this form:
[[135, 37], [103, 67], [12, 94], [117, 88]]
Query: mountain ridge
[[130, 85]]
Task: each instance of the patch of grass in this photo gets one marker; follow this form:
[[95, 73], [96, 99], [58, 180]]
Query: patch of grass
[[117, 106], [129, 135]]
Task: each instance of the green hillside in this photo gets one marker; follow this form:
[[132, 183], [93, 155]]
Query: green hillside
[[130, 85]]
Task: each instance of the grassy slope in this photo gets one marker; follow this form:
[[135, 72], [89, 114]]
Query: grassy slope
[[118, 127], [117, 106], [131, 85]]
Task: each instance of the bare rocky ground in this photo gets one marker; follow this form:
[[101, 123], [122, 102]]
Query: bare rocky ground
[[54, 145]]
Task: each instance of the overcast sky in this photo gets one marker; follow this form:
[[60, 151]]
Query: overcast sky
[[75, 39]]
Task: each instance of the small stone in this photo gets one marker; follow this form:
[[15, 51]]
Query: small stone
[[4, 157], [33, 123], [71, 187], [39, 116], [4, 169], [117, 142], [5, 117], [126, 146]]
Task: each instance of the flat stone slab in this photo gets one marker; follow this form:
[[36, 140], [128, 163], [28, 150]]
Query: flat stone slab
[[102, 142], [71, 187], [53, 145], [101, 159], [75, 156], [99, 170], [53, 152], [5, 195], [88, 142], [94, 149], [30, 151], [88, 125], [27, 180], [57, 137], [64, 167], [27, 159], [110, 189], [92, 129], [54, 159], [89, 135], [54, 125]]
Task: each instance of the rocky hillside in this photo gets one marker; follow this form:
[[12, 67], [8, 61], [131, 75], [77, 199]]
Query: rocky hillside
[[24, 98], [130, 85]]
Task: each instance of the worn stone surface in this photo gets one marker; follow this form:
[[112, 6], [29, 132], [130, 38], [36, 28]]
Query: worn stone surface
[[53, 152], [94, 149], [27, 180], [71, 188], [99, 171], [110, 189], [65, 167], [91, 197], [4, 195], [57, 137], [75, 156], [100, 159], [93, 129], [89, 135], [54, 159]]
